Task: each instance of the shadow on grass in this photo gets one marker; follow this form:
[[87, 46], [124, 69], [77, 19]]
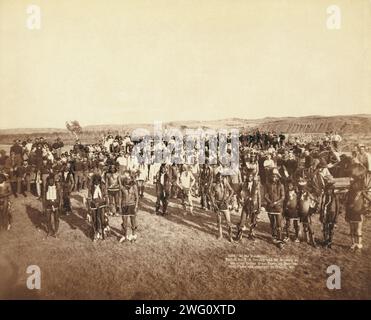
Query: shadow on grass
[[76, 220], [201, 220], [37, 218]]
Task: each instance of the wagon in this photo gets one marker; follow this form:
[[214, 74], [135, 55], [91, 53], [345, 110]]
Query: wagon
[[342, 184]]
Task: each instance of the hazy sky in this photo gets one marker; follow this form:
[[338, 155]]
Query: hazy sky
[[125, 61]]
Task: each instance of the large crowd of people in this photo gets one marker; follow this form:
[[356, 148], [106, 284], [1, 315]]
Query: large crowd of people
[[287, 178]]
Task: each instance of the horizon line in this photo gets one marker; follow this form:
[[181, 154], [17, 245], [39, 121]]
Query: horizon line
[[170, 121]]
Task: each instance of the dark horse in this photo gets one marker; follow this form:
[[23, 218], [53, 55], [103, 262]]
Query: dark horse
[[343, 168]]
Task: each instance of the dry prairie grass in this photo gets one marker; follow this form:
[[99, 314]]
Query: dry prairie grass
[[175, 257]]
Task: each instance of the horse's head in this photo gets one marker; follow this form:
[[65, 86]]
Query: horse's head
[[357, 171]]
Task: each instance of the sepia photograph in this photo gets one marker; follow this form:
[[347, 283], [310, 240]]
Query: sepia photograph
[[183, 150]]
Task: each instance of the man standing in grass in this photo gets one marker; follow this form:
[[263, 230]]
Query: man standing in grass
[[221, 194], [249, 198], [5, 213], [185, 183], [129, 202], [52, 205], [274, 197]]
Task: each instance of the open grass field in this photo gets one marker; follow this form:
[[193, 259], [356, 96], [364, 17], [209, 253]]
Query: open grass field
[[175, 257]]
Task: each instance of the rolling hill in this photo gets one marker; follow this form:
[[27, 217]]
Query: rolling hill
[[347, 125]]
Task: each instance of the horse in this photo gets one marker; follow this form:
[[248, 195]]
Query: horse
[[343, 168]]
